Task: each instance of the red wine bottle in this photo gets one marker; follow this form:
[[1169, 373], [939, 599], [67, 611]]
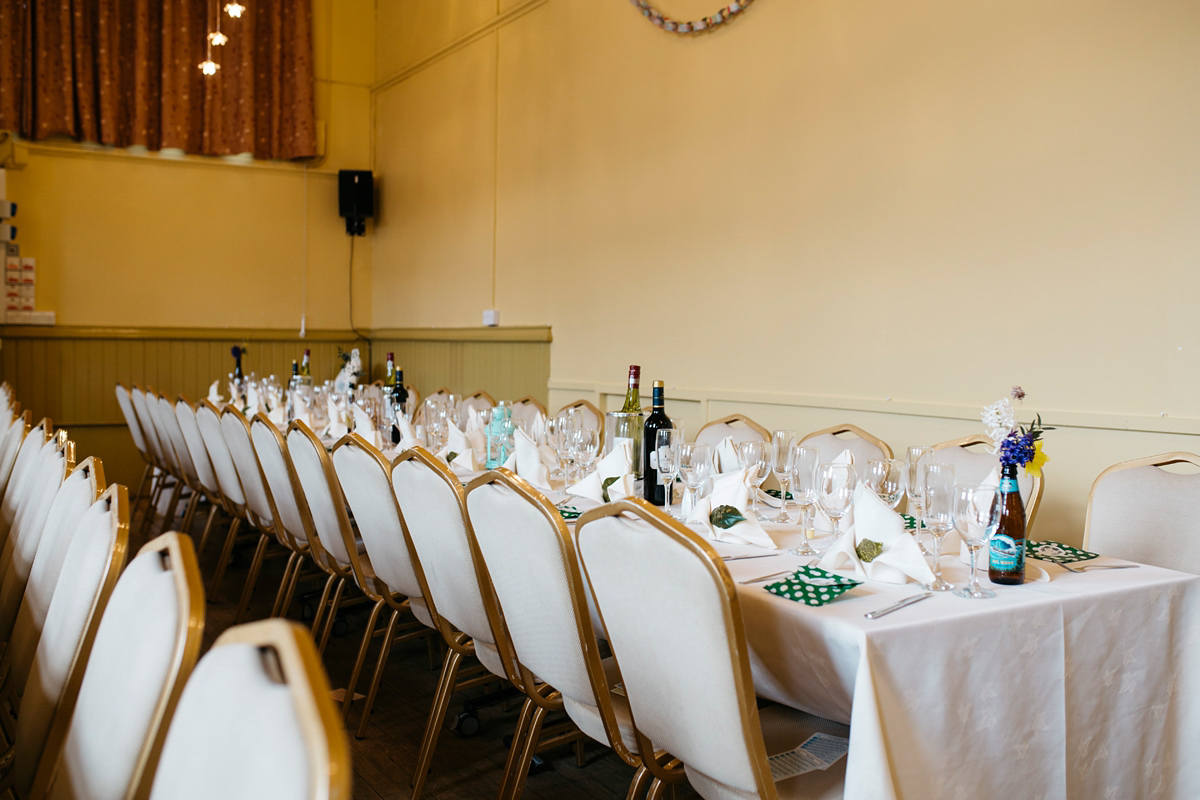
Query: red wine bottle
[[652, 490]]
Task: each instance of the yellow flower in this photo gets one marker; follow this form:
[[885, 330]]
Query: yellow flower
[[1034, 467]]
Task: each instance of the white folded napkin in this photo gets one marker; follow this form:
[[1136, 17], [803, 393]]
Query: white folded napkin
[[235, 397], [726, 455], [300, 410], [337, 425], [821, 522], [464, 461], [964, 555], [537, 429], [900, 559], [526, 460], [619, 465], [214, 396], [278, 416], [253, 401], [364, 426], [274, 399], [408, 437], [731, 489]]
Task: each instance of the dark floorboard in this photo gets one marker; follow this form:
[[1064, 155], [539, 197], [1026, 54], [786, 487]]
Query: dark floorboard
[[384, 759]]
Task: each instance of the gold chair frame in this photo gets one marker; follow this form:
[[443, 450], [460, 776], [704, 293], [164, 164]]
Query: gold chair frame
[[581, 403], [1035, 488], [742, 418], [847, 427], [1161, 460], [530, 400], [148, 471]]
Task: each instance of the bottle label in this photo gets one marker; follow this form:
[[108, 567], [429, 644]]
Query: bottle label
[[654, 459], [1005, 554], [1009, 485]]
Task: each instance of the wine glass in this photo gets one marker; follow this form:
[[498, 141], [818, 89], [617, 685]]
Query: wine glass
[[695, 464], [835, 491], [912, 463], [937, 481], [666, 452], [781, 464], [586, 442], [755, 458], [976, 517], [885, 477], [804, 492]]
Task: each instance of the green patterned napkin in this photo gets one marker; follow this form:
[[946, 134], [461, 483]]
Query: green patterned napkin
[[910, 522], [775, 493], [569, 512], [1056, 552], [812, 586]]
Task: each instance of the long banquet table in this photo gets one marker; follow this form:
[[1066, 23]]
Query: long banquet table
[[1086, 686]]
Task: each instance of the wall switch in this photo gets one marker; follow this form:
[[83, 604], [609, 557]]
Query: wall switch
[[491, 318]]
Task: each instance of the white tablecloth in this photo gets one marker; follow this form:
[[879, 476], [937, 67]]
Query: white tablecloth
[[1087, 686]]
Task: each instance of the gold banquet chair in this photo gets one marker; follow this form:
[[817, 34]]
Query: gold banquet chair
[[125, 402], [189, 466], [24, 465], [830, 442], [681, 649], [208, 420], [144, 650], [10, 444], [473, 404], [541, 601], [738, 426], [166, 478], [207, 481], [422, 408], [972, 465], [1141, 512], [49, 680], [255, 721]]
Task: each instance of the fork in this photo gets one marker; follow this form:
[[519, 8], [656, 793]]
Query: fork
[[781, 573], [1097, 566]]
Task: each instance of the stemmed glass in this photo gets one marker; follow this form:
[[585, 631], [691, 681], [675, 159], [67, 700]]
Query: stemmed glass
[[804, 492], [835, 491], [937, 481], [667, 454], [755, 457], [695, 465], [781, 464], [885, 477], [584, 444], [912, 463], [976, 517]]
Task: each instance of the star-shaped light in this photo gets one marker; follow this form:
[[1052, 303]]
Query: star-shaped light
[[234, 9], [218, 38], [209, 67]]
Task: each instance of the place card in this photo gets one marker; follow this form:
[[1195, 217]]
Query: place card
[[812, 586], [1056, 552]]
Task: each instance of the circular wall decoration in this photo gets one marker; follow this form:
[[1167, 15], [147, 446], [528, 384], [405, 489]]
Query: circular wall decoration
[[697, 26]]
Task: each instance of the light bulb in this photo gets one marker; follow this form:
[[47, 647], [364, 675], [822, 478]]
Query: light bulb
[[218, 38], [234, 9], [209, 67]]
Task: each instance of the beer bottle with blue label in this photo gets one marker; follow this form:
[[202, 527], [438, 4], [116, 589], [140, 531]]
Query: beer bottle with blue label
[[1006, 550]]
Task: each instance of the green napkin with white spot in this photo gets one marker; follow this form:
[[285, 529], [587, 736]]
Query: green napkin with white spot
[[812, 586], [1056, 552]]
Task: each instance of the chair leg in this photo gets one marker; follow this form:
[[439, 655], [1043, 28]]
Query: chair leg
[[208, 526], [528, 748], [320, 612], [293, 563], [386, 650], [437, 716], [223, 561], [189, 514], [515, 748], [638, 785], [368, 634], [137, 497], [172, 505], [334, 604], [150, 513], [291, 589], [251, 578]]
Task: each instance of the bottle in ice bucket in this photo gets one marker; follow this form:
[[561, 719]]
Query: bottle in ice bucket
[[626, 424], [1006, 549], [499, 436]]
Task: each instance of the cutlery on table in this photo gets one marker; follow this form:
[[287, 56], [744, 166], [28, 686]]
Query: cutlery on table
[[899, 604], [755, 555], [1098, 566], [779, 574]]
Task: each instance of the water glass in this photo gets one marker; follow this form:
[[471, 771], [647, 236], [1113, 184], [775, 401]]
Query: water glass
[[977, 512], [585, 445], [804, 492], [912, 464], [937, 481], [781, 464], [835, 491], [695, 465], [666, 449], [755, 458], [885, 477]]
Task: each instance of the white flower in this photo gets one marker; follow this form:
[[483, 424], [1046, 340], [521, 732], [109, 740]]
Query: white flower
[[999, 420]]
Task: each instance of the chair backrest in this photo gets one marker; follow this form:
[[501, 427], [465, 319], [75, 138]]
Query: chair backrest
[[434, 513], [592, 418], [473, 403], [327, 507], [131, 421], [830, 442], [292, 521], [172, 460], [440, 394], [738, 426], [80, 494], [414, 396], [50, 675], [362, 472], [208, 420], [24, 466], [46, 476], [528, 410], [185, 417], [688, 682], [972, 464], [535, 573], [10, 444], [145, 647], [142, 411], [1140, 512], [258, 705], [236, 431], [169, 425]]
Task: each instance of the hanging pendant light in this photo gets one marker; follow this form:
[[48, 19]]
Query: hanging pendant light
[[234, 9], [208, 66]]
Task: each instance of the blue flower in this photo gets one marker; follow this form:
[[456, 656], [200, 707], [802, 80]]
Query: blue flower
[[1017, 448]]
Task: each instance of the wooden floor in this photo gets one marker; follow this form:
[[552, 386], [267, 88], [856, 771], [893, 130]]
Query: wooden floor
[[384, 759]]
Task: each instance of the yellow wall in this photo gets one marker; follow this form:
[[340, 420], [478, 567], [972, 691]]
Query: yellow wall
[[827, 211], [141, 240]]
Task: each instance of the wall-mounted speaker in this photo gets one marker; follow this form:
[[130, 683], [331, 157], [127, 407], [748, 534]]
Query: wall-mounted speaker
[[356, 199]]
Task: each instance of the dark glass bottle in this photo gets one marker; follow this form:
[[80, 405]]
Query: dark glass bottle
[[399, 396], [652, 490], [305, 367], [1006, 551]]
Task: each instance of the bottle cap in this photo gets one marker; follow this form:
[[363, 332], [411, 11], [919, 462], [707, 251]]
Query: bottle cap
[[658, 384], [389, 357], [635, 371]]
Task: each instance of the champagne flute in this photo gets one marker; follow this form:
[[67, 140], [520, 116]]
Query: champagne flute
[[755, 458], [976, 516], [804, 491], [695, 463], [885, 477], [912, 463], [835, 491], [781, 464], [937, 481], [666, 452]]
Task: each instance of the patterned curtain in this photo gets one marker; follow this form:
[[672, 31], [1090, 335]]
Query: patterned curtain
[[124, 72]]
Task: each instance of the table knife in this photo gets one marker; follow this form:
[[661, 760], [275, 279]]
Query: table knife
[[899, 604]]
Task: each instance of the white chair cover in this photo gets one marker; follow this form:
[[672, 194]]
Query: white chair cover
[[318, 493], [715, 432], [131, 421], [24, 465], [236, 431], [268, 446], [830, 447], [209, 422], [1148, 515], [10, 444], [189, 428]]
